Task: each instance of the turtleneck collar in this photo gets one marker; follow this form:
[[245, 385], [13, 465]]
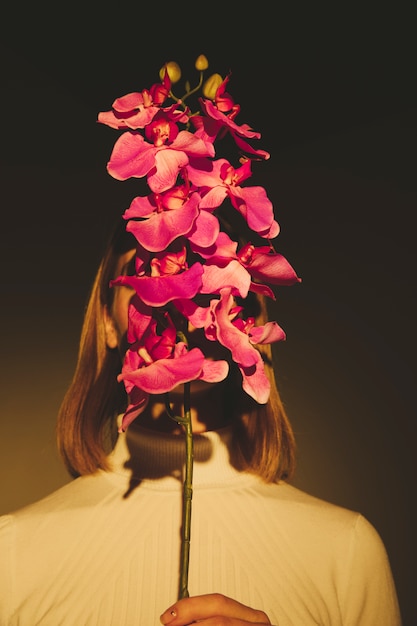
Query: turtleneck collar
[[157, 459]]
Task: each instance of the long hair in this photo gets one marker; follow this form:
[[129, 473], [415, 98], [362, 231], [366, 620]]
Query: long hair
[[86, 424], [265, 437]]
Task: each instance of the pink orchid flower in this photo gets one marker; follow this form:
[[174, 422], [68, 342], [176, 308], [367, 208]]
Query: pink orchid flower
[[161, 161], [163, 375], [224, 101], [157, 364], [159, 290], [138, 400], [262, 262], [136, 109], [219, 179], [139, 318], [170, 262], [237, 334], [156, 220], [223, 112], [221, 323], [233, 275], [239, 337], [167, 216]]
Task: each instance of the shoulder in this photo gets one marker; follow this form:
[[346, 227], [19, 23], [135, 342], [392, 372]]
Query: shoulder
[[343, 534], [80, 493], [344, 544], [6, 530], [300, 505], [318, 522], [51, 523]]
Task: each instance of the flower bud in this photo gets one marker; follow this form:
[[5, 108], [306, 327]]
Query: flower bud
[[211, 86], [174, 71], [201, 63]]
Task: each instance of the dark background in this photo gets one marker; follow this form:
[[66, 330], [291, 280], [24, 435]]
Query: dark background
[[332, 91]]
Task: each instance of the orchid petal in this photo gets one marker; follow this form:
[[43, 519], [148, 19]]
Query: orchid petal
[[246, 147], [141, 118], [204, 172], [164, 375], [262, 290], [272, 267], [141, 207], [268, 333], [138, 401], [192, 145], [160, 229], [213, 198], [128, 103], [110, 119], [159, 290], [233, 275], [139, 317], [243, 130], [255, 206], [206, 128], [214, 371], [205, 230], [132, 156], [167, 166], [222, 250], [255, 381], [231, 337], [198, 316]]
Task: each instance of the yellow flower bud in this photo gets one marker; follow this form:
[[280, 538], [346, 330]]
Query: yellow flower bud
[[174, 71], [201, 63], [211, 85]]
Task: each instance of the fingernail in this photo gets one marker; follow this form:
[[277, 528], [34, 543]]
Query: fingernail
[[168, 616]]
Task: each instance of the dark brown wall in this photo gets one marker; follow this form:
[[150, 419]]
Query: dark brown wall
[[333, 99]]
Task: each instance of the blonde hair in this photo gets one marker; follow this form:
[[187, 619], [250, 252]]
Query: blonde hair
[[86, 424]]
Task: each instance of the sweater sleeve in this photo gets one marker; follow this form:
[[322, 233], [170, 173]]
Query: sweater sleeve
[[6, 569], [370, 597]]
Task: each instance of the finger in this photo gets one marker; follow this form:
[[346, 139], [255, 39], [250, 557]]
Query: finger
[[188, 610]]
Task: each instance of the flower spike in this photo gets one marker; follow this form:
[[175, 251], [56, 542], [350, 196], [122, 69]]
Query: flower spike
[[185, 256]]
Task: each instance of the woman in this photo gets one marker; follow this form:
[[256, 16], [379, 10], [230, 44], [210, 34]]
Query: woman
[[104, 549]]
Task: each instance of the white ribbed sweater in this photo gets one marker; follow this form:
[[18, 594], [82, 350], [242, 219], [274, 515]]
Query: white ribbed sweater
[[104, 549]]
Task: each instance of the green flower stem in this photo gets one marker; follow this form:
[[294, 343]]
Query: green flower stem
[[187, 496], [188, 90]]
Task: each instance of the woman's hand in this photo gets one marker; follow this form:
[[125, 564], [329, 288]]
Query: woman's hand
[[212, 609]]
